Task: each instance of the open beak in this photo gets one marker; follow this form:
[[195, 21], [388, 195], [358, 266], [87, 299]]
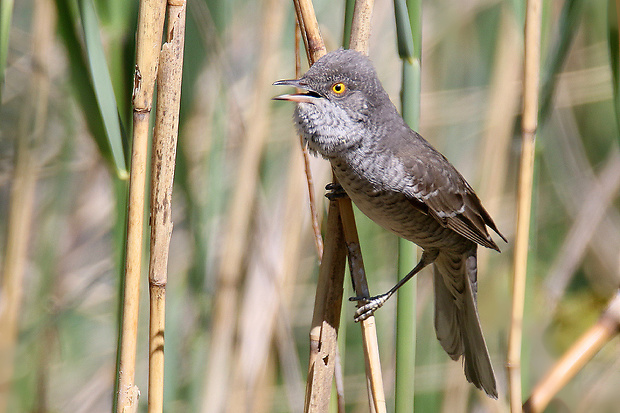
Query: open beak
[[306, 97]]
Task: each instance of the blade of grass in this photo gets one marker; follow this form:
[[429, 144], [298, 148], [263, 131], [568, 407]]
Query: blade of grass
[[349, 6], [102, 84], [533, 21], [408, 17], [88, 65]]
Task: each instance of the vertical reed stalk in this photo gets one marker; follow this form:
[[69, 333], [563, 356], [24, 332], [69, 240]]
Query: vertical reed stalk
[[148, 43], [328, 298], [409, 37], [326, 316], [162, 176], [360, 34], [533, 21], [217, 384], [32, 126], [328, 301]]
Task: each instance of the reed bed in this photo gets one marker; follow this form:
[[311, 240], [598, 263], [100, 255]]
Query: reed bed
[[243, 264]]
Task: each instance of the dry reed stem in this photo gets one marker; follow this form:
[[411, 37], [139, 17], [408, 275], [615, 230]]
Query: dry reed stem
[[314, 215], [531, 81], [315, 47], [326, 316], [360, 33], [319, 380], [573, 176], [162, 176], [328, 298], [576, 357], [30, 134], [503, 105], [268, 282], [148, 44], [369, 330], [594, 206], [360, 25], [238, 222]]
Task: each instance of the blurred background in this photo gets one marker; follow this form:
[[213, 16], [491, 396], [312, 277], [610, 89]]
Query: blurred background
[[243, 261]]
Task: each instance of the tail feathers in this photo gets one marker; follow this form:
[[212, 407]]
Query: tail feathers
[[456, 319]]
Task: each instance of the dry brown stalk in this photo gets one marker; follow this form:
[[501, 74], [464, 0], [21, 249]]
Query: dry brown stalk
[[326, 317], [360, 25], [315, 47], [162, 176], [328, 298], [323, 336], [360, 33], [596, 203], [576, 357], [225, 306], [369, 330], [29, 137], [531, 80], [267, 286], [314, 215], [148, 44], [502, 108]]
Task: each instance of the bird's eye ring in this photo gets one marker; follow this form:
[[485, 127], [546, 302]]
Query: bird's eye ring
[[339, 88]]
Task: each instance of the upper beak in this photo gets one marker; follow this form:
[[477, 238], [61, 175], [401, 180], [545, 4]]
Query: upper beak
[[296, 97]]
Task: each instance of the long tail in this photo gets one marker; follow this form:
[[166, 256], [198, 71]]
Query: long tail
[[456, 317]]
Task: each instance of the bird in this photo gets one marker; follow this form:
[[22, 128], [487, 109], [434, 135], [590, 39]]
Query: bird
[[401, 182]]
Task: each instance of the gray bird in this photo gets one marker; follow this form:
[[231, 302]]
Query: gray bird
[[402, 183]]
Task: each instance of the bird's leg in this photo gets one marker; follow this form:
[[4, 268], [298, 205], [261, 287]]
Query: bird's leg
[[372, 304], [334, 191]]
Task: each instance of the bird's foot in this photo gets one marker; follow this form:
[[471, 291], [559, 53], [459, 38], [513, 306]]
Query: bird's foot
[[368, 305], [334, 191]]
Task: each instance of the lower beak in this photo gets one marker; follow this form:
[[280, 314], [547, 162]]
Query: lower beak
[[295, 97]]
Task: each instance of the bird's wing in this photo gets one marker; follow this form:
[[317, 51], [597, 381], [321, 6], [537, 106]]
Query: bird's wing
[[446, 194]]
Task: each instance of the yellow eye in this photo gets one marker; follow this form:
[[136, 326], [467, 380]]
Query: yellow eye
[[338, 88]]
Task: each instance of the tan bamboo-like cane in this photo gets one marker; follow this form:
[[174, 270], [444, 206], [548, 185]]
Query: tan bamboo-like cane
[[531, 82], [148, 44], [576, 357], [162, 176]]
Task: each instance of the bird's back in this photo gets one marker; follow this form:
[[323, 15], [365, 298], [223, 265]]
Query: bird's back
[[403, 184]]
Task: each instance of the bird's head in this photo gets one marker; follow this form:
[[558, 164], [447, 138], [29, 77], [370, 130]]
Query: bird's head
[[340, 96]]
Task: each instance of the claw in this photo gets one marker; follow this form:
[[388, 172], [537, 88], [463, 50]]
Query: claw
[[334, 191], [369, 305]]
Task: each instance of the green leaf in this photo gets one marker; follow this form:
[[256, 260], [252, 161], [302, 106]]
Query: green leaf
[[102, 84], [91, 80]]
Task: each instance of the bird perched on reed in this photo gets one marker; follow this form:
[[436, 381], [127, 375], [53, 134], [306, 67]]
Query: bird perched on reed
[[402, 183]]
